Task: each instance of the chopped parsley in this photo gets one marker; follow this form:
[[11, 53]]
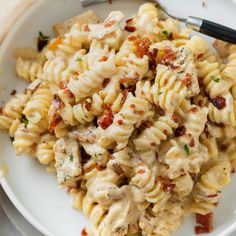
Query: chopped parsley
[[165, 34], [78, 59], [215, 79], [71, 157], [24, 120], [12, 139], [186, 149], [43, 37]]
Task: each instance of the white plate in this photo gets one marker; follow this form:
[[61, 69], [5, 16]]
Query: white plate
[[33, 191]]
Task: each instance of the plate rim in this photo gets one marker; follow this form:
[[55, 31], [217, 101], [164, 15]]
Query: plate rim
[[3, 182]]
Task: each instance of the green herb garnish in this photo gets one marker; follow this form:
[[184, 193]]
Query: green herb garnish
[[12, 139], [186, 149], [215, 79], [78, 59], [24, 120], [43, 37], [71, 157], [166, 34]]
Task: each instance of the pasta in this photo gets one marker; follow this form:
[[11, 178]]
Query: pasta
[[137, 121]]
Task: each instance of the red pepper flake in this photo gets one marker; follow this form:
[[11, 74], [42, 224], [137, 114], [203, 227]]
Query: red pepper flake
[[166, 184], [188, 79], [124, 95], [141, 171], [192, 143], [84, 232], [133, 106], [103, 58], [180, 131], [153, 144], [175, 118], [130, 28], [86, 28], [107, 118], [13, 92], [120, 121], [100, 167], [142, 46], [105, 82], [206, 223], [219, 102], [88, 105], [129, 20]]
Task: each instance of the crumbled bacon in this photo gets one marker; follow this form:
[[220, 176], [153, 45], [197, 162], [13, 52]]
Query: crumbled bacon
[[175, 118], [105, 82], [84, 232], [146, 124], [120, 121], [133, 106], [100, 167], [192, 143], [130, 28], [107, 118], [206, 223], [86, 28], [180, 131], [64, 86], [165, 132], [153, 144], [142, 46], [168, 56], [188, 79], [219, 102], [224, 147], [103, 58], [199, 56], [88, 105], [152, 59], [166, 184], [129, 81], [159, 111], [132, 38], [194, 109], [174, 67], [141, 171], [13, 92]]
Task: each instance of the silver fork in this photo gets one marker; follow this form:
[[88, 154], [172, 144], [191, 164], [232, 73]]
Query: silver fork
[[203, 26]]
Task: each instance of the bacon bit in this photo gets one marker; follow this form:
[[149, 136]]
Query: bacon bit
[[152, 56], [168, 55], [195, 177], [105, 82], [64, 86], [206, 222], [88, 105], [165, 132], [120, 121], [13, 92], [200, 103], [100, 167], [53, 124], [124, 95], [142, 46], [146, 124], [175, 118], [173, 67], [132, 38], [166, 184], [219, 102], [107, 118], [129, 20], [118, 169], [103, 58], [84, 232], [232, 171], [212, 195], [188, 79], [199, 56], [54, 43], [153, 144], [221, 125], [192, 143], [130, 28], [133, 106], [224, 147], [180, 131], [159, 111], [86, 28], [141, 171]]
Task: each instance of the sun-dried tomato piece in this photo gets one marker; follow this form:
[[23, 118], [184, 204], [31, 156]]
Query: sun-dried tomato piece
[[206, 223], [107, 118], [219, 102], [180, 131]]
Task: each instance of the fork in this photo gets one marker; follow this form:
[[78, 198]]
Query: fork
[[203, 26]]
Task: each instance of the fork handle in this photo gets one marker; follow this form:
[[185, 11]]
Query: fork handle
[[212, 29]]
